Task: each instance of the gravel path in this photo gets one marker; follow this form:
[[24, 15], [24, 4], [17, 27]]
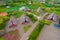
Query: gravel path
[[49, 33]]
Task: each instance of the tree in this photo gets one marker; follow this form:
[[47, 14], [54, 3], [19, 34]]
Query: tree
[[5, 18], [3, 21], [2, 24], [8, 1]]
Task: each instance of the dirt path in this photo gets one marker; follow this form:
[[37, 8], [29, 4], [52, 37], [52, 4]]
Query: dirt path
[[49, 33]]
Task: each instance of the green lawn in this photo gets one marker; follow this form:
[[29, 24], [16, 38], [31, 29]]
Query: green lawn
[[1, 38], [17, 14], [26, 28], [16, 7], [2, 9]]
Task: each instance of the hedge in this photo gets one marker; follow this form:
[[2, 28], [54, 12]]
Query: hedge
[[17, 14], [3, 21], [47, 22], [26, 28], [36, 31], [33, 19], [2, 26]]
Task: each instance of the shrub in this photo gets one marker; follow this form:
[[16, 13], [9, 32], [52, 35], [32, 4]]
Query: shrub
[[9, 13], [17, 14], [46, 16], [47, 22], [33, 19], [5, 18], [3, 21], [26, 28], [12, 4], [36, 31], [2, 24]]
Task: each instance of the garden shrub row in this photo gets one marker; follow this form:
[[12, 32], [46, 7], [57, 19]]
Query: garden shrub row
[[46, 22], [33, 19], [3, 21], [46, 16], [16, 14], [26, 28], [2, 26], [36, 31]]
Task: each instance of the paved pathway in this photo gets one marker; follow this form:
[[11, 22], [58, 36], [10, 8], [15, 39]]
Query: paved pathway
[[25, 36], [49, 33]]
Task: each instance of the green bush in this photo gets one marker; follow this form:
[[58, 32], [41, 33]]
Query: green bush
[[33, 19], [1, 38], [2, 24], [17, 14], [47, 22], [3, 9], [26, 28], [36, 31], [5, 18], [12, 4], [3, 21]]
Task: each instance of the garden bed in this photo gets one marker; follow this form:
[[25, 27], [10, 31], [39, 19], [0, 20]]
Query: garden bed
[[32, 17], [26, 28]]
